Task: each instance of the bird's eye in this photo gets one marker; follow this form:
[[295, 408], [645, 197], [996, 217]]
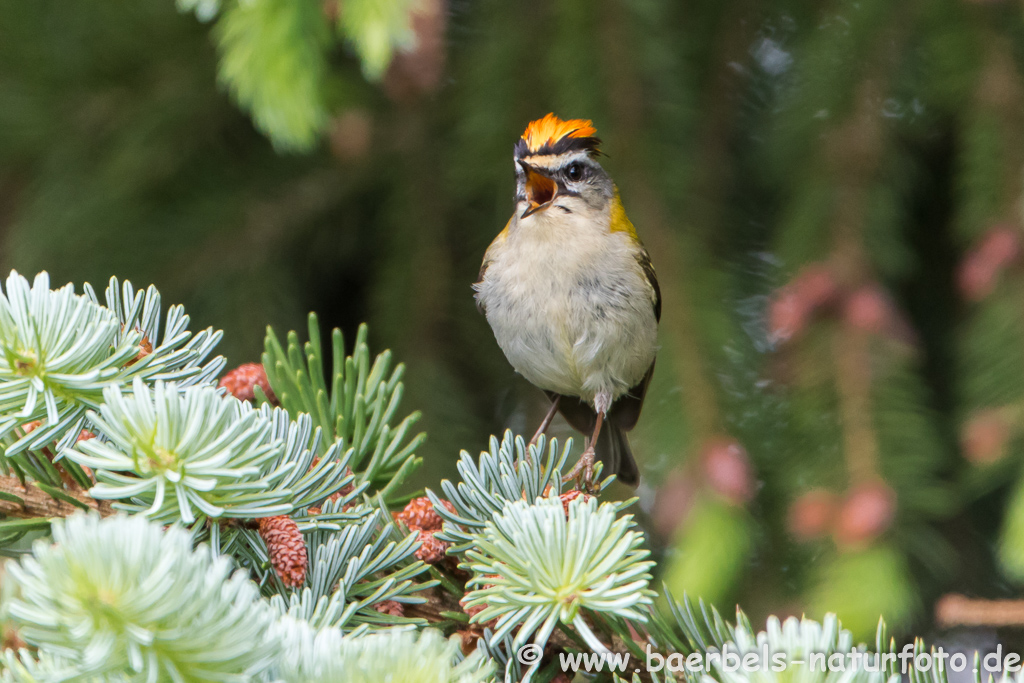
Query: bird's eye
[[574, 171]]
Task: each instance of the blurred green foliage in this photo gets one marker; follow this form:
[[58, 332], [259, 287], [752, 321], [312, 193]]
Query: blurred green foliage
[[757, 146]]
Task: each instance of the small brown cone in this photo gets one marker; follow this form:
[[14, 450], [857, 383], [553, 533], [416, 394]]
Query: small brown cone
[[286, 547], [471, 611], [391, 607], [431, 550], [241, 381], [419, 514], [468, 638], [572, 495]]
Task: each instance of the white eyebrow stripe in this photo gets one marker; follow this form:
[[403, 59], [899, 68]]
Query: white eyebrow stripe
[[554, 162]]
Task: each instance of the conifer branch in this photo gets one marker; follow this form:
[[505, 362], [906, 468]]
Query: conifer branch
[[36, 502]]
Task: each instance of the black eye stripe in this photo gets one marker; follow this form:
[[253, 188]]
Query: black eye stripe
[[560, 174]]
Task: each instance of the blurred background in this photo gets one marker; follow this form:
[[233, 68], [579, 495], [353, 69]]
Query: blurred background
[[830, 191]]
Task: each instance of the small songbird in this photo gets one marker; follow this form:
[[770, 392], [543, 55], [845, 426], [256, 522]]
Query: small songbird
[[570, 292]]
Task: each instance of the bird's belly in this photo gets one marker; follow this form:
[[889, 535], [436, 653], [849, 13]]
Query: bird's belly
[[574, 331]]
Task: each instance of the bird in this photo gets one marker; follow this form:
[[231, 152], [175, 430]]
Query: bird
[[571, 294]]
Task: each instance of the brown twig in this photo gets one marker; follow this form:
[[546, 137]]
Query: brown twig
[[852, 151], [38, 503], [853, 378], [959, 610]]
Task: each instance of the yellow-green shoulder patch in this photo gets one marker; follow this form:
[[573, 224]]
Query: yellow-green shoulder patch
[[619, 220], [504, 232]]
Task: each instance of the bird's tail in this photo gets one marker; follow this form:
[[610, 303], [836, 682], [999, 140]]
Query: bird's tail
[[612, 448]]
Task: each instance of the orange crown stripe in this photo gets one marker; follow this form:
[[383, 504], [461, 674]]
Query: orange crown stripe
[[551, 129]]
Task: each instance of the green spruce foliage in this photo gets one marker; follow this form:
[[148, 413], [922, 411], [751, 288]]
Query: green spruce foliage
[[830, 191]]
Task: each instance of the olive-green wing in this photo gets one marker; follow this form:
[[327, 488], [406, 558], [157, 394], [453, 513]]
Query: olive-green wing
[[644, 259]]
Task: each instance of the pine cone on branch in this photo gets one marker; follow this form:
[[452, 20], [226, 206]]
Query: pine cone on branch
[[432, 549], [241, 381], [419, 515], [287, 548], [390, 607]]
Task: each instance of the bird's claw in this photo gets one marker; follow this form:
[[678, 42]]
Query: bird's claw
[[586, 483], [583, 472]]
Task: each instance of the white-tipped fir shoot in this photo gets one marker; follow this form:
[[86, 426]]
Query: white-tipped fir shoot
[[121, 596], [534, 566], [798, 641], [58, 350], [394, 656], [173, 454], [22, 666], [509, 470], [177, 354]]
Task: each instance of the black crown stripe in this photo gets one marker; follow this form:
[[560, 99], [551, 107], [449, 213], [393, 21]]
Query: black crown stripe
[[565, 144]]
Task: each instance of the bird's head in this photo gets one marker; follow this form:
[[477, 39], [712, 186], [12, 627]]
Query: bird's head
[[556, 167]]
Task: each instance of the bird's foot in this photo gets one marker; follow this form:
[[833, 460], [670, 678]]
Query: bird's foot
[[583, 472]]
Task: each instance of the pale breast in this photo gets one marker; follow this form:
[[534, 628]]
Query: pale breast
[[571, 309]]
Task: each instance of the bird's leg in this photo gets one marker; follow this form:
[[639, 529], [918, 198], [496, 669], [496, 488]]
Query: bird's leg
[[585, 465], [587, 459], [546, 422]]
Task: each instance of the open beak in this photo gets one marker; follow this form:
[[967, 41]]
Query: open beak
[[540, 189]]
